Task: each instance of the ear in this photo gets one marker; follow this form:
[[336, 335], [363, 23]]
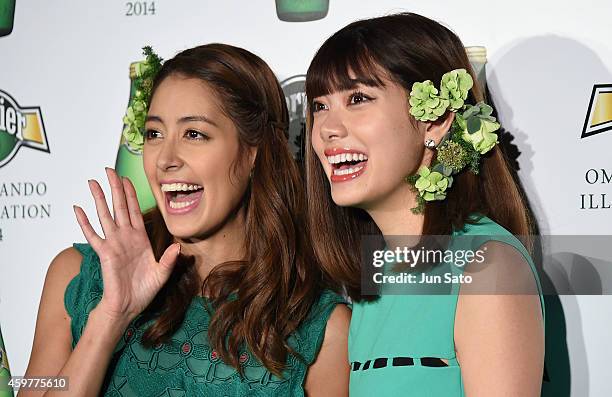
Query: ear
[[437, 129], [252, 155]]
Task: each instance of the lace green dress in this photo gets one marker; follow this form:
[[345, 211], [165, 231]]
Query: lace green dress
[[187, 365]]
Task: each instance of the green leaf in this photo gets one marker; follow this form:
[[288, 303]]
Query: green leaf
[[473, 125], [471, 111]]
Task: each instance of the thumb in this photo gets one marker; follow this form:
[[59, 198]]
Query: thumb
[[168, 260]]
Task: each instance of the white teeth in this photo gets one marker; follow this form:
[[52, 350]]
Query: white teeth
[[348, 171], [178, 187], [341, 158], [184, 204]]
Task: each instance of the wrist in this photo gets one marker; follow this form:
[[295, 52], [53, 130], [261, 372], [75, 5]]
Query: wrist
[[111, 325]]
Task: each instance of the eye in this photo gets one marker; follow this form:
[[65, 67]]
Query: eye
[[358, 97], [316, 106], [150, 134], [196, 135]]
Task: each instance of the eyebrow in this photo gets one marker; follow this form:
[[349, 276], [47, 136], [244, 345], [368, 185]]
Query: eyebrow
[[185, 119], [351, 84]]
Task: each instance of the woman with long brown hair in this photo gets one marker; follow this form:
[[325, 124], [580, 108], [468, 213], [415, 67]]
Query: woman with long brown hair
[[395, 123], [216, 291]]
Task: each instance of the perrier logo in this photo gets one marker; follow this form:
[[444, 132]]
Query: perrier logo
[[599, 115], [19, 127]]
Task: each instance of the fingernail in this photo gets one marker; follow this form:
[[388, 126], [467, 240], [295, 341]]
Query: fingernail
[[179, 248]]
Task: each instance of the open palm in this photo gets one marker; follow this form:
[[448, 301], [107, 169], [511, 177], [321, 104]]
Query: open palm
[[131, 275]]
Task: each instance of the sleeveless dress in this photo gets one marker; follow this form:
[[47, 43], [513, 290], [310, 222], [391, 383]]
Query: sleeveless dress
[[396, 342], [187, 365]]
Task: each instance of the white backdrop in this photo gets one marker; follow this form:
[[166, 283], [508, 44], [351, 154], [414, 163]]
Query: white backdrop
[[71, 58]]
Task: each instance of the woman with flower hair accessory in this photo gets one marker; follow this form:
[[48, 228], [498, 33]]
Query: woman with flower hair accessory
[[401, 146], [217, 290]]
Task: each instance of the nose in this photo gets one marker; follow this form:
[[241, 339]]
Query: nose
[[332, 126], [169, 157]]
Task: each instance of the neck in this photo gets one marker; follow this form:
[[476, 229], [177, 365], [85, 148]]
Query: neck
[[393, 215], [225, 244]]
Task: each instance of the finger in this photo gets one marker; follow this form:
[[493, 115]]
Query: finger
[[106, 220], [120, 209], [132, 203], [88, 231], [167, 262]]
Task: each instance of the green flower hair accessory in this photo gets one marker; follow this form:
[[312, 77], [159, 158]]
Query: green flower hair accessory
[[478, 127], [472, 133], [431, 184], [452, 155], [142, 73], [455, 86], [425, 104]]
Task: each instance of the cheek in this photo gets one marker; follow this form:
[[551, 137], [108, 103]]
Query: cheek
[[317, 146], [148, 162], [397, 148], [225, 173]]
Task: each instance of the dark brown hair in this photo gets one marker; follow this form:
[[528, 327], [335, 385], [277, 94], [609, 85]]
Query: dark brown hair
[[403, 48], [259, 301]]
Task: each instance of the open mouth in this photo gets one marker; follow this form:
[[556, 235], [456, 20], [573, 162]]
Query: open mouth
[[182, 195], [347, 165]]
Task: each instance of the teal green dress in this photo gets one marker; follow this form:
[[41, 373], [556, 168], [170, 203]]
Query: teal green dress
[[187, 365], [397, 341]]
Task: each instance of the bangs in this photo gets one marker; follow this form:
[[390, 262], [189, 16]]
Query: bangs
[[342, 63]]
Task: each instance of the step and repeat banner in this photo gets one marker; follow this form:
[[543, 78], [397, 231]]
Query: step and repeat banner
[[65, 86]]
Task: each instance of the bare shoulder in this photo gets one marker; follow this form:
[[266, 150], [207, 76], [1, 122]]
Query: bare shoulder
[[338, 324], [65, 265], [499, 334], [52, 343], [329, 374]]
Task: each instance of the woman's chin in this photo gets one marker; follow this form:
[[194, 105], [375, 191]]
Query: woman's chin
[[346, 200]]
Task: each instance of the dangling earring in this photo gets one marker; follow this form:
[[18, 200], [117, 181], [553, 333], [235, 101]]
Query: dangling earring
[[430, 143]]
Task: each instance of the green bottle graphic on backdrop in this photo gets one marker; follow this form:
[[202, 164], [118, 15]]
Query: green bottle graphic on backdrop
[[129, 158], [478, 58], [301, 10], [5, 372], [7, 15]]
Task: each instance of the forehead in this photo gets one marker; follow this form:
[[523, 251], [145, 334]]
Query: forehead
[[186, 94]]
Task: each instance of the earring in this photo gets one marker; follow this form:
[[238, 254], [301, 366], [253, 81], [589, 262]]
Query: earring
[[430, 143]]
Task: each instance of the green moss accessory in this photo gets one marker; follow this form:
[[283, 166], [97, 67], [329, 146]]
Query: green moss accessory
[[143, 74], [471, 135]]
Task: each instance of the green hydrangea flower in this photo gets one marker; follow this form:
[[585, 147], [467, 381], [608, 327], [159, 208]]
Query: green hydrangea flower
[[143, 74], [425, 104], [432, 184], [478, 127], [134, 121], [452, 155], [455, 86]]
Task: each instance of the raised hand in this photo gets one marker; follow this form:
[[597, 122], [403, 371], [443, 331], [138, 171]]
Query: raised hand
[[132, 277]]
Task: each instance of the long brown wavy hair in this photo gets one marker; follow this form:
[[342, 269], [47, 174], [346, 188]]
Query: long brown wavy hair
[[259, 301], [406, 48]]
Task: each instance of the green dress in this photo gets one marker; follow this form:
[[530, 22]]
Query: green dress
[[396, 342], [187, 365]]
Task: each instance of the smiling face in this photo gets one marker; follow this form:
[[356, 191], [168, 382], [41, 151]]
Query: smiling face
[[190, 151], [367, 144]]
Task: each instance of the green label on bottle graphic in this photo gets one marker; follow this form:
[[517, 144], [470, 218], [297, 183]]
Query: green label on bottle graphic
[[7, 15], [19, 126], [301, 10], [129, 164], [5, 372]]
